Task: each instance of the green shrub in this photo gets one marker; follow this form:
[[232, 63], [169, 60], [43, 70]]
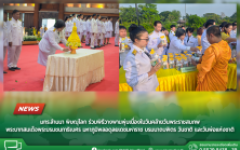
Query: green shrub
[[30, 38]]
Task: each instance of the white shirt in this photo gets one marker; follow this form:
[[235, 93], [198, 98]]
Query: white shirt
[[110, 26], [70, 26], [51, 39], [177, 46], [84, 25], [5, 34], [103, 27], [106, 26], [99, 26], [137, 67], [233, 34], [171, 35], [80, 25], [204, 42], [94, 26], [15, 32], [117, 27], [192, 42], [154, 39]]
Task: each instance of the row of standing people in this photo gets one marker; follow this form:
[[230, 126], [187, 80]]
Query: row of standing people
[[95, 30]]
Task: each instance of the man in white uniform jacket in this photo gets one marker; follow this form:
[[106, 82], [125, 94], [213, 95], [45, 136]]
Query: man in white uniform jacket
[[5, 36], [15, 41], [94, 30], [172, 32], [157, 39], [110, 30], [204, 41], [107, 30], [49, 43], [117, 33], [189, 40], [89, 32]]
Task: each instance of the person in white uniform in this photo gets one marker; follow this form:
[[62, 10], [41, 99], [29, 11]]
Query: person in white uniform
[[110, 30], [189, 40], [5, 37], [49, 43], [88, 27], [84, 29], [70, 25], [41, 32], [233, 33], [80, 27], [99, 27], [127, 43], [103, 31], [15, 41], [157, 39], [94, 30], [117, 32], [177, 43], [204, 41], [66, 28], [172, 32], [140, 74]]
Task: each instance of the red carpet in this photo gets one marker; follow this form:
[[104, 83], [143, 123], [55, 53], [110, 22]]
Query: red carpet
[[30, 77]]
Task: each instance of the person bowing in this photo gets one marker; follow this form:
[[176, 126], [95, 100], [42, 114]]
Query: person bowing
[[50, 42], [177, 43]]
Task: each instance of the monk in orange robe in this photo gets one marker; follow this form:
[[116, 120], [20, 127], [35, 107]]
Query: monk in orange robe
[[212, 74]]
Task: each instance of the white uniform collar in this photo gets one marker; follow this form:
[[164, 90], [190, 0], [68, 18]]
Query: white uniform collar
[[139, 49], [14, 19]]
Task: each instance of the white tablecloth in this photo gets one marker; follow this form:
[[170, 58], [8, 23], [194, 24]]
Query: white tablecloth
[[74, 72]]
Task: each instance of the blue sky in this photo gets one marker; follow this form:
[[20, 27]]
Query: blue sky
[[199, 9]]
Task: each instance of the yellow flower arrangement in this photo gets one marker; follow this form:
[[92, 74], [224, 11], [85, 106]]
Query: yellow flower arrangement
[[152, 51], [74, 41]]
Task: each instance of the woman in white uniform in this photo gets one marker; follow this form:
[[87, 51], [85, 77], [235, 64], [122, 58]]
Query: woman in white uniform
[[49, 43], [177, 43], [66, 28], [140, 74], [189, 40]]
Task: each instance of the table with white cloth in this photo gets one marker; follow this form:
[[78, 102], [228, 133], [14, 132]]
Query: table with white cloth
[[74, 72]]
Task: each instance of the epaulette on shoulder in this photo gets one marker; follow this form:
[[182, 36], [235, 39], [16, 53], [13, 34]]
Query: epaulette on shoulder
[[134, 52]]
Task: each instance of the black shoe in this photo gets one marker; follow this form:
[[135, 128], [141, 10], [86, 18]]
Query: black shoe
[[92, 47], [4, 72], [116, 45], [16, 68], [11, 69], [87, 44]]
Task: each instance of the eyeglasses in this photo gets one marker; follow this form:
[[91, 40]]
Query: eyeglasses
[[145, 39]]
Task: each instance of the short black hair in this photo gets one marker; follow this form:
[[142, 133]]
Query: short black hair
[[135, 31], [182, 26], [209, 22], [93, 15], [15, 11], [122, 27], [172, 26], [234, 24], [180, 32], [223, 24], [190, 30], [214, 30], [156, 22], [66, 18], [163, 29], [59, 24]]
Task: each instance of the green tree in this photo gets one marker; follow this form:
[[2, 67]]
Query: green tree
[[195, 21]]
